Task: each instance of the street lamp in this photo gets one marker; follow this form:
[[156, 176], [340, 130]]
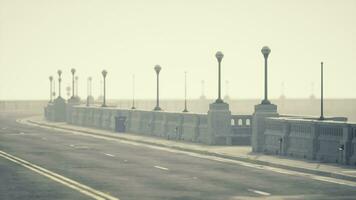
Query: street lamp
[[133, 92], [59, 72], [89, 90], [157, 69], [185, 92], [73, 72], [50, 90], [104, 73], [219, 56], [266, 51], [76, 86], [322, 92]]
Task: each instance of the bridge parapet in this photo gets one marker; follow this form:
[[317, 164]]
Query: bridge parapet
[[327, 141], [241, 129]]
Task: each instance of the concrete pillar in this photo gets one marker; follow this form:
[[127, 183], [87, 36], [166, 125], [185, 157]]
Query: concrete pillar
[[219, 126], [262, 111], [346, 145]]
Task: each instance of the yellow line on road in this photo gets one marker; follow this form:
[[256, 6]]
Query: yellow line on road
[[95, 194]]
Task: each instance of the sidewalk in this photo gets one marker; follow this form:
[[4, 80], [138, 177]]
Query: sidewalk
[[240, 153]]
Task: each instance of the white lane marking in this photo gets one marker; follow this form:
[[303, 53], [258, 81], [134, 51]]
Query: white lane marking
[[95, 194], [71, 145], [259, 192], [107, 154], [125, 160], [202, 156], [162, 168], [3, 128], [21, 133]]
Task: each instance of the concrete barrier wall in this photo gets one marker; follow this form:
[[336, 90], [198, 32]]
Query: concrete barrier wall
[[353, 145], [241, 126], [191, 127], [328, 141]]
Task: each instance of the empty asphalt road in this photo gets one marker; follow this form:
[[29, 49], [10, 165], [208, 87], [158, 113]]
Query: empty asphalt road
[[39, 163]]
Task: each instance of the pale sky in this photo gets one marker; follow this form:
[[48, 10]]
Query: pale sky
[[38, 37]]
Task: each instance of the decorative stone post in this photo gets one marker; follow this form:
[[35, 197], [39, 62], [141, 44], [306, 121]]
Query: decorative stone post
[[262, 111], [219, 116]]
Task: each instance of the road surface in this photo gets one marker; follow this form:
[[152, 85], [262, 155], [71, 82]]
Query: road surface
[[46, 164]]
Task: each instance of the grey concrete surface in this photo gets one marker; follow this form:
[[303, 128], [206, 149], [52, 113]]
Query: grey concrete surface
[[136, 172]]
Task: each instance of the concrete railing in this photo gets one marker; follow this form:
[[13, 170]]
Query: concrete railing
[[192, 127], [170, 125], [329, 141], [241, 127]]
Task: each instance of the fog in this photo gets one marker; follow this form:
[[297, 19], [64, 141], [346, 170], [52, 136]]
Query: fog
[[129, 37]]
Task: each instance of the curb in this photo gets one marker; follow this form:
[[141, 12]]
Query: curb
[[247, 160]]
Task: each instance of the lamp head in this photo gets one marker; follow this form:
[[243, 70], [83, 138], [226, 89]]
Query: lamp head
[[219, 55], [104, 73], [73, 71], [59, 72], [266, 51], [157, 68], [51, 78]]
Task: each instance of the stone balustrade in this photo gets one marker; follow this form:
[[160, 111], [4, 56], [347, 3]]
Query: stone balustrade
[[329, 141], [241, 126], [192, 127]]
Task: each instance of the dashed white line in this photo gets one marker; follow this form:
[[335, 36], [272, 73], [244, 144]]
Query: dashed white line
[[162, 168], [107, 154], [259, 192]]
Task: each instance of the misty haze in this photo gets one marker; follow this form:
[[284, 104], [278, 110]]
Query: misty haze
[[177, 100]]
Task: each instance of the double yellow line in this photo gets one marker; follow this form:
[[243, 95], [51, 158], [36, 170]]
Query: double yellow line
[[86, 190]]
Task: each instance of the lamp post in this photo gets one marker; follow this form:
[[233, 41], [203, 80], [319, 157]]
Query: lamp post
[[157, 69], [322, 92], [89, 90], [76, 86], [104, 73], [73, 72], [266, 51], [202, 90], [219, 56], [59, 72], [50, 90], [185, 92], [133, 92]]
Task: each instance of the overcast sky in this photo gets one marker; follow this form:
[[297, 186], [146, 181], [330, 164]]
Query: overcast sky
[[38, 37]]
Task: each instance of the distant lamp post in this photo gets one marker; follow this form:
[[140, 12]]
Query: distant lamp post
[[322, 92], [104, 73], [50, 90], [76, 86], [89, 90], [185, 92], [219, 56], [73, 72], [202, 90], [266, 51], [59, 72], [133, 92], [157, 69]]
